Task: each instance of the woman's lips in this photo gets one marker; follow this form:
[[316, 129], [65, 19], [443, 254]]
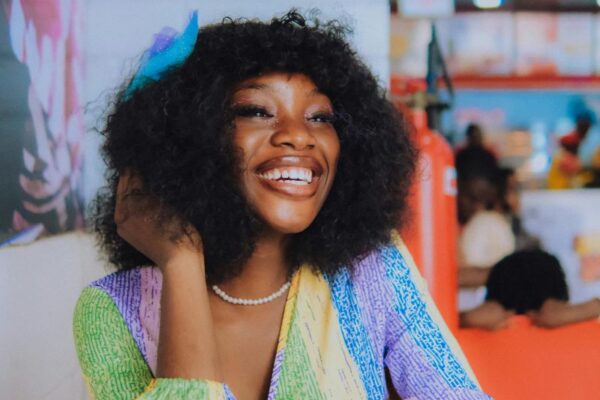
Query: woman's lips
[[291, 189], [291, 162], [296, 176]]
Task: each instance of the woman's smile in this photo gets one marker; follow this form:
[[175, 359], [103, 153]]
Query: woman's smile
[[292, 176], [284, 128]]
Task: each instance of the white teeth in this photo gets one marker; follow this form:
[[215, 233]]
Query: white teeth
[[296, 176], [306, 175]]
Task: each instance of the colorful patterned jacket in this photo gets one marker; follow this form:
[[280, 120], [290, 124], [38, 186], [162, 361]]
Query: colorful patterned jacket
[[338, 336]]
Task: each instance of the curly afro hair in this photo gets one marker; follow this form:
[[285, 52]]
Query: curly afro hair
[[176, 134], [523, 280]]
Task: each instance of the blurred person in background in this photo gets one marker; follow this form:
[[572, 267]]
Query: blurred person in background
[[593, 180], [510, 206], [486, 237], [564, 172], [530, 282], [523, 280], [475, 159]]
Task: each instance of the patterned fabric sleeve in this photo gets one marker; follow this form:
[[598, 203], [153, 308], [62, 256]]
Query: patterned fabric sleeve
[[423, 358], [112, 364]]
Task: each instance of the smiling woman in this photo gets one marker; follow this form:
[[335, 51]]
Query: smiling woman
[[284, 127], [257, 172]]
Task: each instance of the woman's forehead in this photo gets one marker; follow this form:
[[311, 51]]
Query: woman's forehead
[[270, 78], [278, 82]]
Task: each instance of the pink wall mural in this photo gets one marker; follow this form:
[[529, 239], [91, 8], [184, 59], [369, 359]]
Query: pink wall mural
[[41, 129]]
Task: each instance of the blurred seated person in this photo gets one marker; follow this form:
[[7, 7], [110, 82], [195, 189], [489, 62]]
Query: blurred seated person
[[566, 164], [474, 159], [594, 173], [529, 282], [486, 237], [510, 206]]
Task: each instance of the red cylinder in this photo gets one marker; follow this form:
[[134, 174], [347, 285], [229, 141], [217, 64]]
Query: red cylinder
[[431, 235]]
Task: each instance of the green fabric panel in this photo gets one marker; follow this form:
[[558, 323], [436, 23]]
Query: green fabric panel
[[180, 389], [109, 358], [297, 379], [112, 363]]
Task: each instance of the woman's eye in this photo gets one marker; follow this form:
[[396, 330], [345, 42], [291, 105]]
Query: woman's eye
[[325, 118], [251, 112]]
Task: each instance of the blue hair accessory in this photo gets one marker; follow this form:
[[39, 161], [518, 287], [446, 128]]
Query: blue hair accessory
[[168, 50]]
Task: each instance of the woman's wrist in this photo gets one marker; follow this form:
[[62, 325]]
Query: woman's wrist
[[182, 262]]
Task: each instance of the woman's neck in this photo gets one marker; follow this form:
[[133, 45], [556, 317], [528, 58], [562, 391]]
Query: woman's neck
[[264, 272]]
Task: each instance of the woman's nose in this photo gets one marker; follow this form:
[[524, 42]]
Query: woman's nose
[[293, 134]]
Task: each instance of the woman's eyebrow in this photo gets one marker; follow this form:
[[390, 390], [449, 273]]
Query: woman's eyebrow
[[251, 85], [316, 93]]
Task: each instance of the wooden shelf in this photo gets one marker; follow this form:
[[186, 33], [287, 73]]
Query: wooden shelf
[[527, 82], [507, 82]]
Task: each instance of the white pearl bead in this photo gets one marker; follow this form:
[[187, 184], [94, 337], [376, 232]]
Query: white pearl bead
[[250, 302]]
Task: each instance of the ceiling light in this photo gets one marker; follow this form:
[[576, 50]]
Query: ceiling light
[[490, 3]]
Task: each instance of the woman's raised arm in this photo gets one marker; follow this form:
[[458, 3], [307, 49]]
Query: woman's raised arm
[[187, 346]]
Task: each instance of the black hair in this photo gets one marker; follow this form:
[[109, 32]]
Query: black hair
[[176, 134], [473, 132], [503, 178], [523, 280]]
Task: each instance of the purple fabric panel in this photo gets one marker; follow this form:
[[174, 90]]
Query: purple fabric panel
[[149, 312], [419, 379], [275, 374], [124, 287], [368, 279], [411, 371], [422, 364]]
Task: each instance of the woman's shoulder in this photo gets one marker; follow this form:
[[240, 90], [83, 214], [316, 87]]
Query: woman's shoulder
[[385, 264], [131, 296], [130, 289], [380, 278], [126, 281]]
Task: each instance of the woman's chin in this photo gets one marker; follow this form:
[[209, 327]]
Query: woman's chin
[[287, 226]]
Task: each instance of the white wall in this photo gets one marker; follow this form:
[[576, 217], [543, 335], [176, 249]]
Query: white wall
[[39, 283]]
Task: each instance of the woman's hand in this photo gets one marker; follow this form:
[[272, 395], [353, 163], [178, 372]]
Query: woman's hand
[[136, 217]]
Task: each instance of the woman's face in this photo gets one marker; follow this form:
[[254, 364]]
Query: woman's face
[[283, 125]]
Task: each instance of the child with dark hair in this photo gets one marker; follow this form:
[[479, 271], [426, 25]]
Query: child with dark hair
[[528, 282], [525, 279], [256, 173]]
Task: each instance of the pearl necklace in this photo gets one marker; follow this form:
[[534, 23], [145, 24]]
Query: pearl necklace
[[250, 302]]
